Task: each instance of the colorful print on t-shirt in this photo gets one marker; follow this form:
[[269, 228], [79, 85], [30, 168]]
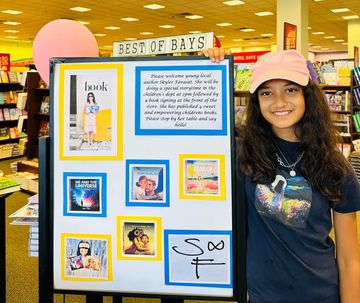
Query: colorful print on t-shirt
[[287, 199]]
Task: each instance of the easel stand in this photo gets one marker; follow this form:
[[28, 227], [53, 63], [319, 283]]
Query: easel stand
[[3, 250]]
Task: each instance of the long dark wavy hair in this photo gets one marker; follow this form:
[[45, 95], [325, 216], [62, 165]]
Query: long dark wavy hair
[[323, 165]]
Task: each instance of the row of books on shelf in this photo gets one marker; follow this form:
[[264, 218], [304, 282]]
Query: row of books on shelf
[[338, 100], [29, 215], [356, 95], [356, 120], [357, 74], [8, 114], [10, 77], [7, 133], [10, 150], [9, 97]]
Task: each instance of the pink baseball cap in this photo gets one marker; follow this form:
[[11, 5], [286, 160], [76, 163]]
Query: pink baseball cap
[[288, 65]]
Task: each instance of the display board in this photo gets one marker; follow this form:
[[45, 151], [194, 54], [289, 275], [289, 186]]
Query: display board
[[143, 190]]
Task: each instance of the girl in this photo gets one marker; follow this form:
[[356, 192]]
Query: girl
[[90, 109], [296, 182]]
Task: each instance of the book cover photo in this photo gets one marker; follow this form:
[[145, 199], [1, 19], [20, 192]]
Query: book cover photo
[[86, 258], [85, 194]]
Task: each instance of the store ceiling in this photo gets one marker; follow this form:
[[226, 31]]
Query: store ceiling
[[104, 13]]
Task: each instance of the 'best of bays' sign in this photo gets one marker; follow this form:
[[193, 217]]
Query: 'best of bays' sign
[[164, 45]]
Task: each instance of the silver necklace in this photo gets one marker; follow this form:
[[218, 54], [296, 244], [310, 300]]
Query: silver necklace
[[288, 165]]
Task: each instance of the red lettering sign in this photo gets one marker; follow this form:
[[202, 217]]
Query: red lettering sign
[[248, 57], [5, 62]]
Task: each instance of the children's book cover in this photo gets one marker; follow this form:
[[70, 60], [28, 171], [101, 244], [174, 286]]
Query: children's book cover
[[147, 182], [202, 177], [90, 118], [85, 194], [139, 238], [86, 257]]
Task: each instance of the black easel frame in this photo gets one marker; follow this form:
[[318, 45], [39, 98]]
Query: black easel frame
[[46, 290]]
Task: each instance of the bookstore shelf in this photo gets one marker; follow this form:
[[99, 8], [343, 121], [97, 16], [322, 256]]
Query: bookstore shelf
[[10, 136], [38, 113]]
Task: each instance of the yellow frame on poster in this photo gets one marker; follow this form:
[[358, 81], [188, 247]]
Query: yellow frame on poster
[[157, 232], [222, 183], [86, 236], [119, 68]]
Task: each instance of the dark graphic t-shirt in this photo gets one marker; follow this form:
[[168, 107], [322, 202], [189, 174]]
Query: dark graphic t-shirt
[[290, 257]]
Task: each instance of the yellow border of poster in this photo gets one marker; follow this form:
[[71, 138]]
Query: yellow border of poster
[[119, 120], [86, 236], [222, 183], [157, 232]]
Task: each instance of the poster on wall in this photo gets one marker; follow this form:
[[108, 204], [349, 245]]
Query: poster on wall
[[143, 153], [290, 36]]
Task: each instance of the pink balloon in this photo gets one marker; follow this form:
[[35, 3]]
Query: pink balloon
[[62, 38]]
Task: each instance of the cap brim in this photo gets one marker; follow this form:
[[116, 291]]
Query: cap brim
[[296, 77]]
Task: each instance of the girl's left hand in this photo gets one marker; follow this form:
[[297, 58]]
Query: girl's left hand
[[215, 54]]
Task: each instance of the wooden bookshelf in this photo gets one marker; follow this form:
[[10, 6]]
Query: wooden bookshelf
[[34, 99]]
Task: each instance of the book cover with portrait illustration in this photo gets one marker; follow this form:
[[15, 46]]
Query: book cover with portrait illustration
[[147, 183], [139, 238], [84, 194]]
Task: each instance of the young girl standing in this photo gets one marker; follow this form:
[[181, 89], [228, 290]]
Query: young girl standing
[[298, 185]]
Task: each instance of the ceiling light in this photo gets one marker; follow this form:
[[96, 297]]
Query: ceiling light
[[233, 2], [350, 17], [129, 19], [316, 46], [80, 9], [318, 0], [100, 35], [246, 30], [237, 40], [108, 46], [11, 37], [195, 32], [84, 22], [324, 48], [224, 24], [329, 37], [193, 17], [262, 14], [154, 6], [318, 33], [266, 35], [220, 36], [345, 43], [11, 12], [130, 39], [112, 28], [166, 26], [146, 33], [11, 31], [340, 10], [309, 27], [339, 40], [11, 23]]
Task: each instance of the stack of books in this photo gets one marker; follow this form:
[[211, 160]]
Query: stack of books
[[8, 185], [29, 215], [355, 162]]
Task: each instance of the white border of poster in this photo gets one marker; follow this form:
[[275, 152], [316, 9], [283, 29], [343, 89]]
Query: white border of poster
[[160, 191]]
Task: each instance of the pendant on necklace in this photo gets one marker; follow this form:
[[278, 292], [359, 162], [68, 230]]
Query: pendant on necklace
[[292, 173]]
